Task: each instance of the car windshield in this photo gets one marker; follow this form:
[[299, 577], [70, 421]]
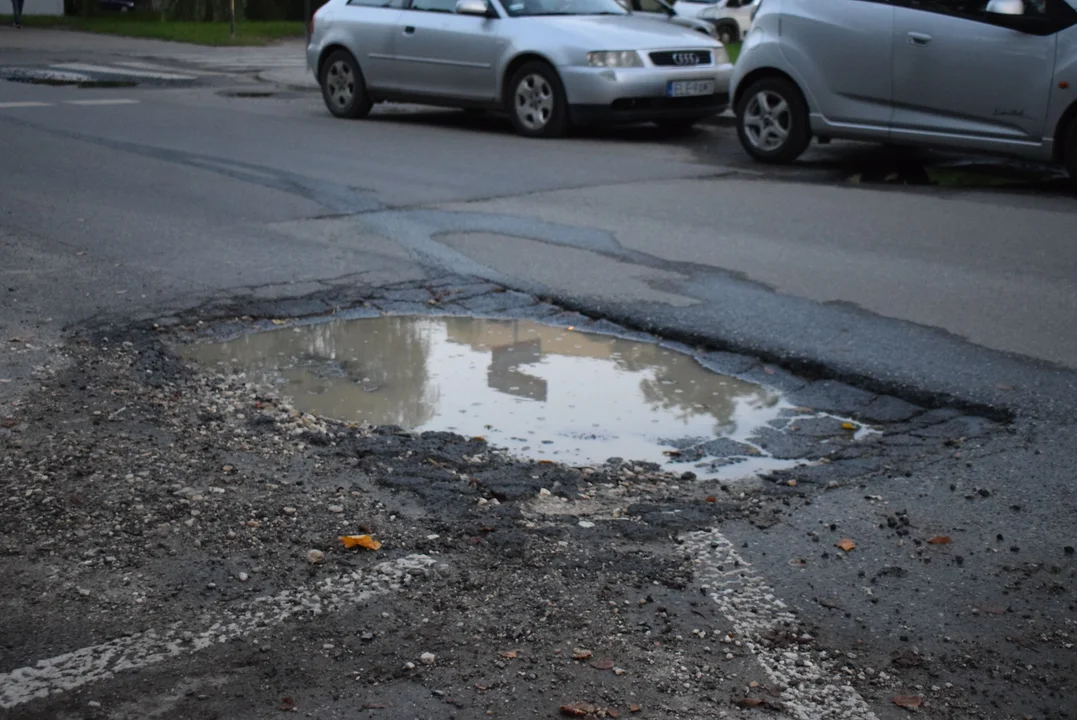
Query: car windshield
[[536, 8]]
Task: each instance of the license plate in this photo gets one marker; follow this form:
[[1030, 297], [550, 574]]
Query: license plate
[[690, 88]]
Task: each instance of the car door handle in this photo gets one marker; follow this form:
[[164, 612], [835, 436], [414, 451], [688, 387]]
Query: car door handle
[[409, 30], [916, 38]]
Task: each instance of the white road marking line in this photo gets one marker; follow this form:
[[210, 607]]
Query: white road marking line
[[24, 104], [814, 687], [113, 70], [103, 101], [100, 662]]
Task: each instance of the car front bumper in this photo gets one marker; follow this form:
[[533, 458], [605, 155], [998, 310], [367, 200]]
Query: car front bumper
[[606, 95]]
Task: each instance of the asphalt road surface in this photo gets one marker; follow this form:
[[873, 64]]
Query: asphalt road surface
[[172, 203]]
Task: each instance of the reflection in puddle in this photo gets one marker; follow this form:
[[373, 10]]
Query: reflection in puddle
[[537, 390]]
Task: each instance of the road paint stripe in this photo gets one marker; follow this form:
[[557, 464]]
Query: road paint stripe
[[812, 684], [24, 104], [101, 662], [103, 101], [128, 72]]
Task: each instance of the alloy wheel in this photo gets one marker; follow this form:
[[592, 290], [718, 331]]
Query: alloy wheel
[[534, 102], [768, 121], [340, 83]]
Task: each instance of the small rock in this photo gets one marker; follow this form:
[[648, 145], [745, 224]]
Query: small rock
[[315, 557], [367, 636], [93, 704], [586, 524], [544, 492], [289, 511], [409, 666], [427, 658], [243, 577], [1068, 550], [336, 508]]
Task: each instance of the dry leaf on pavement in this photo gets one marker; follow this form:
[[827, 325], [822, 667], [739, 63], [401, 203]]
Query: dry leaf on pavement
[[510, 654], [909, 702], [602, 664], [634, 708], [363, 541], [581, 654], [939, 540], [847, 544], [751, 702]]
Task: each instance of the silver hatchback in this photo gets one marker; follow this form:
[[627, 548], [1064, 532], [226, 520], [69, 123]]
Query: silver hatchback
[[549, 64], [995, 76]]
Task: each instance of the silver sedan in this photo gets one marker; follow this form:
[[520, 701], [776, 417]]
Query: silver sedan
[[549, 64]]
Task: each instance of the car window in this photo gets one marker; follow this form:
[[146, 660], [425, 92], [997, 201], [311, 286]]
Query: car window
[[532, 8], [442, 6], [979, 9]]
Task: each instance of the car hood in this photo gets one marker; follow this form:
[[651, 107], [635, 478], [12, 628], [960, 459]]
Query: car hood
[[619, 32]]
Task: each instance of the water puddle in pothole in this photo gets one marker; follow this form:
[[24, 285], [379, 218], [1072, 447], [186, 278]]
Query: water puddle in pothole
[[536, 390]]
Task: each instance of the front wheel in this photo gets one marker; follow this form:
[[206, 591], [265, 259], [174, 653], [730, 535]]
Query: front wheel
[[343, 87], [726, 35], [1070, 153], [536, 101], [772, 121]]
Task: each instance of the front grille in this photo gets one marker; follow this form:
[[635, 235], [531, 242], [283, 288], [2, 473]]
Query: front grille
[[681, 58]]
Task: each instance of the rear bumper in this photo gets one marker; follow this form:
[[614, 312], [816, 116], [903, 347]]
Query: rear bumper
[[648, 109]]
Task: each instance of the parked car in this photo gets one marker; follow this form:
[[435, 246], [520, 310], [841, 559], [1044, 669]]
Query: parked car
[[660, 10], [993, 76], [731, 18], [549, 64]]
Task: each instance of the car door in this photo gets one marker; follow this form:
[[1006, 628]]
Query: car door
[[441, 54], [371, 26], [840, 51], [964, 73]]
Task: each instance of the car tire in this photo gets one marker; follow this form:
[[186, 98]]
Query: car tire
[[772, 121], [536, 101], [727, 34], [343, 87], [1069, 153]]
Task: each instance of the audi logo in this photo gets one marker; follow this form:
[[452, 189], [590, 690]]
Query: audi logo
[[685, 58]]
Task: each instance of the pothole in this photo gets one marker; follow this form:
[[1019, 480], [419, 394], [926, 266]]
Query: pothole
[[539, 391]]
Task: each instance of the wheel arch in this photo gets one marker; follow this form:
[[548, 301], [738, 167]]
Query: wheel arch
[[729, 23], [329, 50], [517, 62], [760, 74]]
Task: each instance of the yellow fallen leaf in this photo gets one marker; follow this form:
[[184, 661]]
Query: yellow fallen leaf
[[849, 426], [846, 545], [363, 541], [277, 322], [940, 540]]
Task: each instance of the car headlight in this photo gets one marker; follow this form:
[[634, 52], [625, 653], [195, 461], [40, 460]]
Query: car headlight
[[615, 59], [710, 13]]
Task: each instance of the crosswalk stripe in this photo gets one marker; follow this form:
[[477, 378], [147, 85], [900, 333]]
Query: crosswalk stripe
[[111, 70], [23, 104], [103, 101]]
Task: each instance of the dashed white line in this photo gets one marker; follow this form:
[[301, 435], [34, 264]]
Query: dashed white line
[[23, 104], [811, 683], [100, 662], [103, 101]]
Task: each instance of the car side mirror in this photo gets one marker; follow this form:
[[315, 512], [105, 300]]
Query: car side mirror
[[479, 8]]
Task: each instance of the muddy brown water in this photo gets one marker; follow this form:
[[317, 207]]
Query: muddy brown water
[[537, 390]]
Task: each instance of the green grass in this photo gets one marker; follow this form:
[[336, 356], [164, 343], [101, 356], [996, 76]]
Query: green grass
[[734, 51], [199, 33]]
